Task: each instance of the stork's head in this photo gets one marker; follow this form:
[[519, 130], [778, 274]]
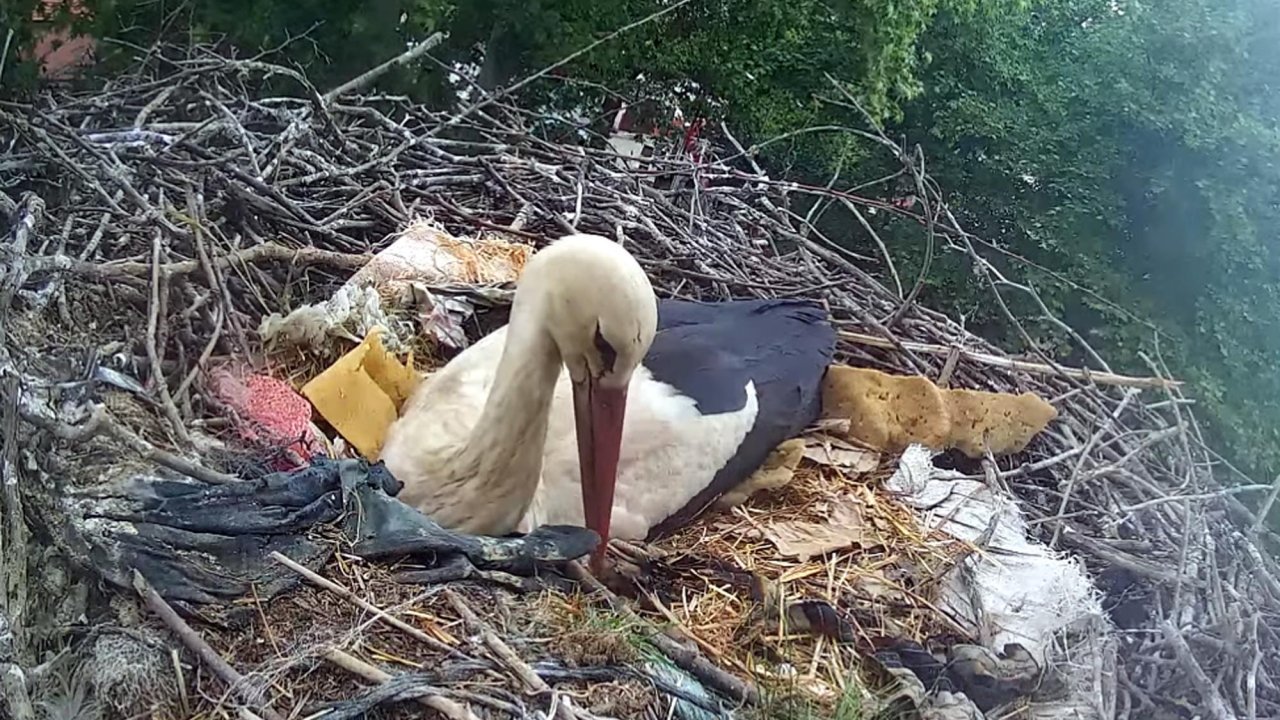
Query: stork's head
[[601, 312]]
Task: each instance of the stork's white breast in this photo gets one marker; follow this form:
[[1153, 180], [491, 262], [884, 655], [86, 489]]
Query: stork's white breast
[[670, 452]]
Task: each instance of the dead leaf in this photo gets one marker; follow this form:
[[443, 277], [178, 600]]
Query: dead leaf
[[846, 526], [834, 452]]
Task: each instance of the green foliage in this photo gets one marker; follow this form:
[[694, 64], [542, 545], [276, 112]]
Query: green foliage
[[758, 63], [1151, 135]]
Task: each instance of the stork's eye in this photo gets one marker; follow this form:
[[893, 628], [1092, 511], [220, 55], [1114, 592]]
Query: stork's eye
[[608, 356]]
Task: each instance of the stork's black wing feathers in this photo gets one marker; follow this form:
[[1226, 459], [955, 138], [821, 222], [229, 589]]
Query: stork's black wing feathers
[[708, 351]]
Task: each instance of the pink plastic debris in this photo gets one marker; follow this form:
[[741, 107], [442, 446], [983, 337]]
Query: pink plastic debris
[[267, 412]]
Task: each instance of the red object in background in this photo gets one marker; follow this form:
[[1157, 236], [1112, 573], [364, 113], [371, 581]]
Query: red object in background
[[268, 414], [691, 136]]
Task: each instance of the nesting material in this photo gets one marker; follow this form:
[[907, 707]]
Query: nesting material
[[889, 412], [740, 581], [776, 471], [361, 394], [1015, 590], [845, 527], [350, 314], [267, 411], [425, 253]]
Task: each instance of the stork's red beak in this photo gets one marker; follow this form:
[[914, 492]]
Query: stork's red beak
[[598, 412]]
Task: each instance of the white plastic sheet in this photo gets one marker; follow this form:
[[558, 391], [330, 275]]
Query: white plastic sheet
[[1017, 590]]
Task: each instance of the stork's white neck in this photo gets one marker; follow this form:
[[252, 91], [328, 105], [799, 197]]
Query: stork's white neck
[[504, 452]]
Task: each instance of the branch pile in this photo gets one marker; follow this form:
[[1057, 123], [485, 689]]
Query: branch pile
[[156, 221]]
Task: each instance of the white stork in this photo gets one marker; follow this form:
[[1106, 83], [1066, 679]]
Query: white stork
[[599, 402]]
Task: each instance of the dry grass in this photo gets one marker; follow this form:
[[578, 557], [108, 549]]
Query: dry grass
[[723, 582]]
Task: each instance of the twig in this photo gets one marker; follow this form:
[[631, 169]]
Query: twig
[[100, 421], [875, 237], [1093, 376], [685, 658], [443, 705], [1129, 395], [109, 425], [1265, 510], [128, 270], [1144, 568], [363, 80], [490, 99], [26, 219], [1199, 497], [503, 652], [153, 353], [1209, 694], [196, 644], [4, 54], [361, 603]]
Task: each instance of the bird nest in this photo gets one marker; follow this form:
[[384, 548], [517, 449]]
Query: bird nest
[[155, 221]]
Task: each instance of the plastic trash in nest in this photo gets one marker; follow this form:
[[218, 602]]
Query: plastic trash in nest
[[360, 395], [352, 312], [410, 274], [441, 318], [1017, 591], [889, 412], [267, 412], [425, 253], [212, 544]]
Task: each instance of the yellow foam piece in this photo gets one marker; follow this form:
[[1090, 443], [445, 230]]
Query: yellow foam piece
[[777, 470], [361, 393], [889, 412]]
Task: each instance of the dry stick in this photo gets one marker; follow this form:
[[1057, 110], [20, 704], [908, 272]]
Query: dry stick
[[351, 597], [101, 421], [930, 215], [1200, 497], [153, 352], [1084, 455], [503, 652], [439, 703], [909, 301], [1266, 506], [4, 54], [111, 426], [1151, 439], [685, 658], [948, 367], [884, 249], [1209, 694], [1006, 363], [13, 553], [27, 218], [1139, 566], [136, 271], [197, 645], [360, 81], [1251, 679]]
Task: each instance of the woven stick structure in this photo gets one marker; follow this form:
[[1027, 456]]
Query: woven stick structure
[[154, 222]]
